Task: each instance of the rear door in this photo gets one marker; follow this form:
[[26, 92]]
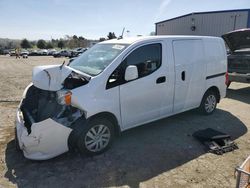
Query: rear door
[[189, 73]]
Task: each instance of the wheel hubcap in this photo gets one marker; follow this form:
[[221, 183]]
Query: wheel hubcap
[[210, 103], [97, 138]]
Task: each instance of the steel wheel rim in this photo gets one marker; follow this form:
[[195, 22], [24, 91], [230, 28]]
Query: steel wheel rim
[[97, 138], [210, 103]]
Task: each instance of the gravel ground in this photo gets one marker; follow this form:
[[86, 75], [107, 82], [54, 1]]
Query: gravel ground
[[159, 154]]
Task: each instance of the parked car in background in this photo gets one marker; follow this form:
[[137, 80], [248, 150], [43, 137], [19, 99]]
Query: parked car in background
[[81, 51], [62, 53], [51, 51], [6, 52], [24, 53], [117, 85], [33, 53], [12, 52], [43, 52], [238, 42], [77, 52]]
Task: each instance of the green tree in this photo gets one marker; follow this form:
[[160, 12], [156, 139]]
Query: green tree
[[54, 42], [102, 39], [60, 44], [81, 38], [82, 42], [41, 44], [33, 43], [111, 35], [49, 45], [25, 44], [11, 45]]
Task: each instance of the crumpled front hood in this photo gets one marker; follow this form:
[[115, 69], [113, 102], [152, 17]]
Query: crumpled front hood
[[50, 77], [238, 39]]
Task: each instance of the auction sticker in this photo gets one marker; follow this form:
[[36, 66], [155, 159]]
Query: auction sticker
[[118, 47]]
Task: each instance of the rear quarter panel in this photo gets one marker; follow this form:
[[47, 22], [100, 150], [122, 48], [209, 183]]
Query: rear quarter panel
[[215, 52]]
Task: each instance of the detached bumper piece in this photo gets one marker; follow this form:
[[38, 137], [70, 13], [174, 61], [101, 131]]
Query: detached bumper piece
[[46, 139], [217, 142]]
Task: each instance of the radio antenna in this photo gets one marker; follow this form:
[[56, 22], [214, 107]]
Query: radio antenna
[[121, 37]]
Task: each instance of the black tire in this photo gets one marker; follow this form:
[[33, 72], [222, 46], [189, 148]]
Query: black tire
[[84, 141], [208, 103], [17, 142]]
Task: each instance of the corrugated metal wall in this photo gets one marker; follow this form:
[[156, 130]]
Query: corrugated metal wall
[[209, 24]]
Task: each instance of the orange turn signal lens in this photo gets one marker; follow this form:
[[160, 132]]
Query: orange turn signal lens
[[67, 98]]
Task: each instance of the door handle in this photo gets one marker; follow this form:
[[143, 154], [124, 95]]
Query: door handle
[[161, 80], [183, 75]]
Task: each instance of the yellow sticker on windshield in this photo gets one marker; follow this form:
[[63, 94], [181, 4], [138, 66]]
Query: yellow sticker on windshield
[[118, 47]]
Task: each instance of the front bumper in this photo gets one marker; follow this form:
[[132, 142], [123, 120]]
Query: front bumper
[[237, 77], [46, 140]]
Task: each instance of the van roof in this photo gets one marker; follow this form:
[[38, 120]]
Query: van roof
[[130, 40]]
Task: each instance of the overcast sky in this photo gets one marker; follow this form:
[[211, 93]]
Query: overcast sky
[[46, 19]]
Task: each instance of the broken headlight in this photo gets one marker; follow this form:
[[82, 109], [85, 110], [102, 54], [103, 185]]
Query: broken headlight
[[64, 97]]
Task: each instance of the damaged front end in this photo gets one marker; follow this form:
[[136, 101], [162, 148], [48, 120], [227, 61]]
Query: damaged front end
[[44, 120]]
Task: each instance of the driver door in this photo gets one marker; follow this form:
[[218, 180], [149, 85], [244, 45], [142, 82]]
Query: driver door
[[141, 99]]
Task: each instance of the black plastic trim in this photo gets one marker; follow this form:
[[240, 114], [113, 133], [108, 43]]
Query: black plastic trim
[[215, 75], [77, 127]]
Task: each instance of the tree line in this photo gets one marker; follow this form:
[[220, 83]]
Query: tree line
[[66, 42]]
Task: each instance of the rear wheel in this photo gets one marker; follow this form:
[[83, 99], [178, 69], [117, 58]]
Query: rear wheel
[[208, 103], [96, 137]]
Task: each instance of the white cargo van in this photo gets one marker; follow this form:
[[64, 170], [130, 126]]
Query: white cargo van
[[117, 85]]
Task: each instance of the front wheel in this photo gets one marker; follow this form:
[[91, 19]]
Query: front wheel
[[208, 103], [96, 137]]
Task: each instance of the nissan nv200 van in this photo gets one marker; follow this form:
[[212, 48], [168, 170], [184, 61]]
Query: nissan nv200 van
[[117, 85]]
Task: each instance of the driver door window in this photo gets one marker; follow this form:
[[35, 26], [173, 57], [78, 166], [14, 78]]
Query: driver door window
[[147, 59]]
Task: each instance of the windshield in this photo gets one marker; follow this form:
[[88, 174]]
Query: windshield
[[97, 58]]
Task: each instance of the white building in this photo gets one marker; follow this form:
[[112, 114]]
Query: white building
[[214, 23]]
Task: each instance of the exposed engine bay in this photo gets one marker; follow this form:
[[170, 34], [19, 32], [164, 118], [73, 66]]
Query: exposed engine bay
[[45, 119], [40, 104]]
